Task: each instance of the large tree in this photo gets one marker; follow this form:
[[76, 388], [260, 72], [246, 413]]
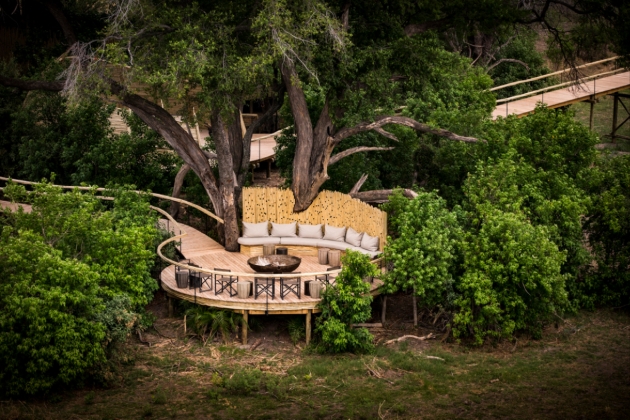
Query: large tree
[[207, 58]]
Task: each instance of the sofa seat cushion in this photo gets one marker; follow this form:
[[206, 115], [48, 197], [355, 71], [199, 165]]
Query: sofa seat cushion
[[322, 243], [299, 241], [310, 231], [332, 233], [259, 241], [255, 230], [369, 242], [372, 254], [284, 229]]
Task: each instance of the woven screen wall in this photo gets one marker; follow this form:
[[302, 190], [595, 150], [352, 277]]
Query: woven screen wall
[[330, 207]]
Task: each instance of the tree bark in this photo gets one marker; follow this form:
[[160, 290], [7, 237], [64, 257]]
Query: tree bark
[[315, 144], [55, 9], [381, 196]]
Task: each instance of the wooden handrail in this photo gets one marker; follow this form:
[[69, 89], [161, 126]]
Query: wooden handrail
[[544, 76], [523, 95], [165, 197]]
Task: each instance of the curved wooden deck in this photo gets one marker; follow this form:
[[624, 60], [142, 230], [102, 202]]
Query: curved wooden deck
[[207, 253]]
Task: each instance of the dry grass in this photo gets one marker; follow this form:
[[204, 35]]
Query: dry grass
[[580, 369]]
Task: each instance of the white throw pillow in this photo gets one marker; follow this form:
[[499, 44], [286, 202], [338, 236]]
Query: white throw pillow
[[353, 237], [255, 230], [369, 242], [332, 233], [310, 231], [283, 230]]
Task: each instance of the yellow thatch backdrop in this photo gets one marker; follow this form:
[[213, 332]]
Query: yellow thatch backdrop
[[333, 208]]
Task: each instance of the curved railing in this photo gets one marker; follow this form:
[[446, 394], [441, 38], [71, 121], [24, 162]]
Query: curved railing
[[183, 233]]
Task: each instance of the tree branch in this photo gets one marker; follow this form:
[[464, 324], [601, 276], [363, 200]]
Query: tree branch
[[418, 28], [55, 9], [406, 121], [381, 196], [507, 60], [336, 158], [355, 189], [387, 134], [56, 86]]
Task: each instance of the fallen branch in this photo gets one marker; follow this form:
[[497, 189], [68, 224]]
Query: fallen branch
[[369, 325], [255, 345], [142, 340], [415, 337], [434, 358], [374, 373]]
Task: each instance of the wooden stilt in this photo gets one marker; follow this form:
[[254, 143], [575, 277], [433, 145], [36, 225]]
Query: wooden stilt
[[383, 309], [615, 112], [171, 309], [590, 121], [415, 310], [308, 326], [244, 326]]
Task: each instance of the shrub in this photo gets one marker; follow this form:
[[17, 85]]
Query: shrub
[[422, 251], [608, 228], [345, 303], [75, 278], [511, 279], [202, 320]]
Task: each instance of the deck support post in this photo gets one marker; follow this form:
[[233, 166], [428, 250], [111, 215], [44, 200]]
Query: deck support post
[[383, 309], [615, 112], [268, 168], [308, 326], [590, 120], [415, 309], [171, 310], [244, 326]]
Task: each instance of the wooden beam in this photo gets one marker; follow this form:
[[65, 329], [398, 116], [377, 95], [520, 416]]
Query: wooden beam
[[244, 326], [590, 120], [308, 326], [383, 309], [615, 111]]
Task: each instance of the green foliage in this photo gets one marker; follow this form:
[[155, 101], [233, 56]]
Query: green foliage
[[345, 303], [244, 382], [511, 278], [522, 48], [297, 329], [608, 226], [202, 321], [78, 145], [74, 280], [422, 250]]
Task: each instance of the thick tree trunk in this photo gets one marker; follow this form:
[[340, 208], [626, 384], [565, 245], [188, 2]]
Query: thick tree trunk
[[226, 140]]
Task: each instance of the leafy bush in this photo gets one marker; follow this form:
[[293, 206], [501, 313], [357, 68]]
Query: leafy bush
[[422, 251], [244, 381], [345, 303], [75, 278], [202, 321], [296, 327], [608, 227], [511, 278]]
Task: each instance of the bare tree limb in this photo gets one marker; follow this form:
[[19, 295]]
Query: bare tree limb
[[418, 28], [400, 120], [56, 86], [387, 134], [55, 9], [177, 187], [336, 158], [381, 196], [355, 189], [507, 60]]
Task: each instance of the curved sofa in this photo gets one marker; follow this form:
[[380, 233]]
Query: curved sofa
[[297, 242]]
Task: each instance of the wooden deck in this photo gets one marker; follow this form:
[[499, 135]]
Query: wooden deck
[[262, 149], [586, 91], [14, 206], [205, 252]]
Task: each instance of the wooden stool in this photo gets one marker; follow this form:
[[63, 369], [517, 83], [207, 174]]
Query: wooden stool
[[181, 277], [334, 257], [315, 289], [282, 251], [322, 255], [269, 249], [243, 289]]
